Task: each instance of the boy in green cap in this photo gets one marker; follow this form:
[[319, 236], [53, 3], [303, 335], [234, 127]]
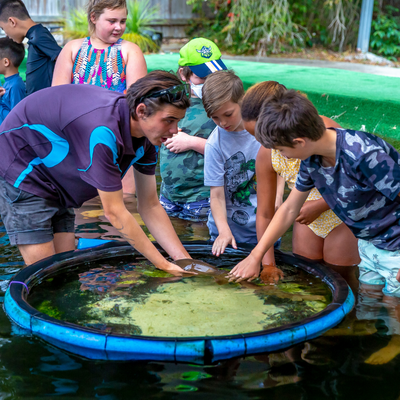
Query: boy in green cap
[[183, 193]]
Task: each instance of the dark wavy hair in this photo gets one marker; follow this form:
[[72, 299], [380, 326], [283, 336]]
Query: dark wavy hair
[[153, 82]]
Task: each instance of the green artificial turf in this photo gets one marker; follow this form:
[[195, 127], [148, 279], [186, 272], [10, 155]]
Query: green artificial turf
[[355, 100]]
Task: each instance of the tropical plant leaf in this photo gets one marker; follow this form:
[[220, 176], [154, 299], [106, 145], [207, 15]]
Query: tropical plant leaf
[[140, 16], [146, 43], [76, 25]]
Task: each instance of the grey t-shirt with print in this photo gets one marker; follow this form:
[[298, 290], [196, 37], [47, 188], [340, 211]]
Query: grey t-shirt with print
[[229, 161]]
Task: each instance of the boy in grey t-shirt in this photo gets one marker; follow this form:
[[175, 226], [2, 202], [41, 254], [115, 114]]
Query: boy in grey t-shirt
[[229, 164], [182, 193]]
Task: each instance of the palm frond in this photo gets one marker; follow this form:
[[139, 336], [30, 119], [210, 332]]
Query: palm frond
[[145, 42], [76, 25]]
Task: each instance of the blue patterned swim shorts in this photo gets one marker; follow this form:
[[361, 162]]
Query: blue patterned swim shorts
[[196, 211], [379, 267]]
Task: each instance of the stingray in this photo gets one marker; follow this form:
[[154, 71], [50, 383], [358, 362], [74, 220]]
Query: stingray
[[220, 276], [198, 266]]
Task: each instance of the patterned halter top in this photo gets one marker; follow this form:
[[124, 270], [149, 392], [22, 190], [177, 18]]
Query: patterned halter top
[[101, 67]]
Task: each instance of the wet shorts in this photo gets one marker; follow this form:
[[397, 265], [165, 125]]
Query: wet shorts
[[195, 211], [379, 267], [30, 219]]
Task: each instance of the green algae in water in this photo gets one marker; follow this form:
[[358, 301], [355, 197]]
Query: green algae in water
[[196, 307], [137, 299], [195, 375], [186, 388], [46, 308]]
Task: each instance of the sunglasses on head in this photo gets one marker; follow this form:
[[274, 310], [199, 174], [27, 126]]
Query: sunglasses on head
[[174, 93]]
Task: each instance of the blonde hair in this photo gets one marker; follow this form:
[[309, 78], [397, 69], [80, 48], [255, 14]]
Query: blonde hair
[[97, 8], [219, 88]]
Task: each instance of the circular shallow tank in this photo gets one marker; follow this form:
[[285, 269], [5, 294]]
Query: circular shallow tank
[[107, 302]]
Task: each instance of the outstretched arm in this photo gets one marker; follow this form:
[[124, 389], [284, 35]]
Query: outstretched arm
[[125, 223], [218, 209], [249, 268], [266, 200], [155, 217]]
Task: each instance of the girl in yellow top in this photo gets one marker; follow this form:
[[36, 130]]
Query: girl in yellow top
[[318, 233]]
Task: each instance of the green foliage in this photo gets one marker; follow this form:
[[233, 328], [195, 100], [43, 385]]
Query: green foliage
[[264, 26], [271, 26], [76, 25], [145, 42], [140, 15], [385, 38], [138, 29]]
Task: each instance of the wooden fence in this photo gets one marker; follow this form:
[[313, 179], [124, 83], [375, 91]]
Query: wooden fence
[[171, 20]]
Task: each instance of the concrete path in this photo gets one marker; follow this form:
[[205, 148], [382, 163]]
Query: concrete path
[[349, 66]]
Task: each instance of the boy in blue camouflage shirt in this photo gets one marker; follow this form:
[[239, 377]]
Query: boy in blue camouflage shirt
[[357, 174], [183, 193]]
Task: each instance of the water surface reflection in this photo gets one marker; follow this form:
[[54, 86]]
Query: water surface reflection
[[330, 367]]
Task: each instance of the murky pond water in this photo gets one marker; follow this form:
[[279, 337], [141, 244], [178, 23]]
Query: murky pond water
[[356, 360], [128, 296]]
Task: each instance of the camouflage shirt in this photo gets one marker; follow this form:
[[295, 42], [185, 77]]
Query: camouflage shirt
[[362, 188], [183, 173]]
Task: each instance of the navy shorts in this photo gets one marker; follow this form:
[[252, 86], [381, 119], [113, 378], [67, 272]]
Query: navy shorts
[[30, 219], [196, 211]]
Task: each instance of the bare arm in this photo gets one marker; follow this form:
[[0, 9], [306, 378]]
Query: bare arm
[[280, 190], [267, 191], [266, 195], [218, 209], [311, 210], [249, 268], [135, 63], [65, 62], [155, 217], [330, 123], [125, 223], [181, 142]]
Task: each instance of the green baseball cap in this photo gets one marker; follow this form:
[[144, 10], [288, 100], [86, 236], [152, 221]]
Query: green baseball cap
[[202, 56]]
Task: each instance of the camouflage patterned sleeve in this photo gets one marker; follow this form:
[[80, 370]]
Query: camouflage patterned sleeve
[[382, 171], [304, 183]]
